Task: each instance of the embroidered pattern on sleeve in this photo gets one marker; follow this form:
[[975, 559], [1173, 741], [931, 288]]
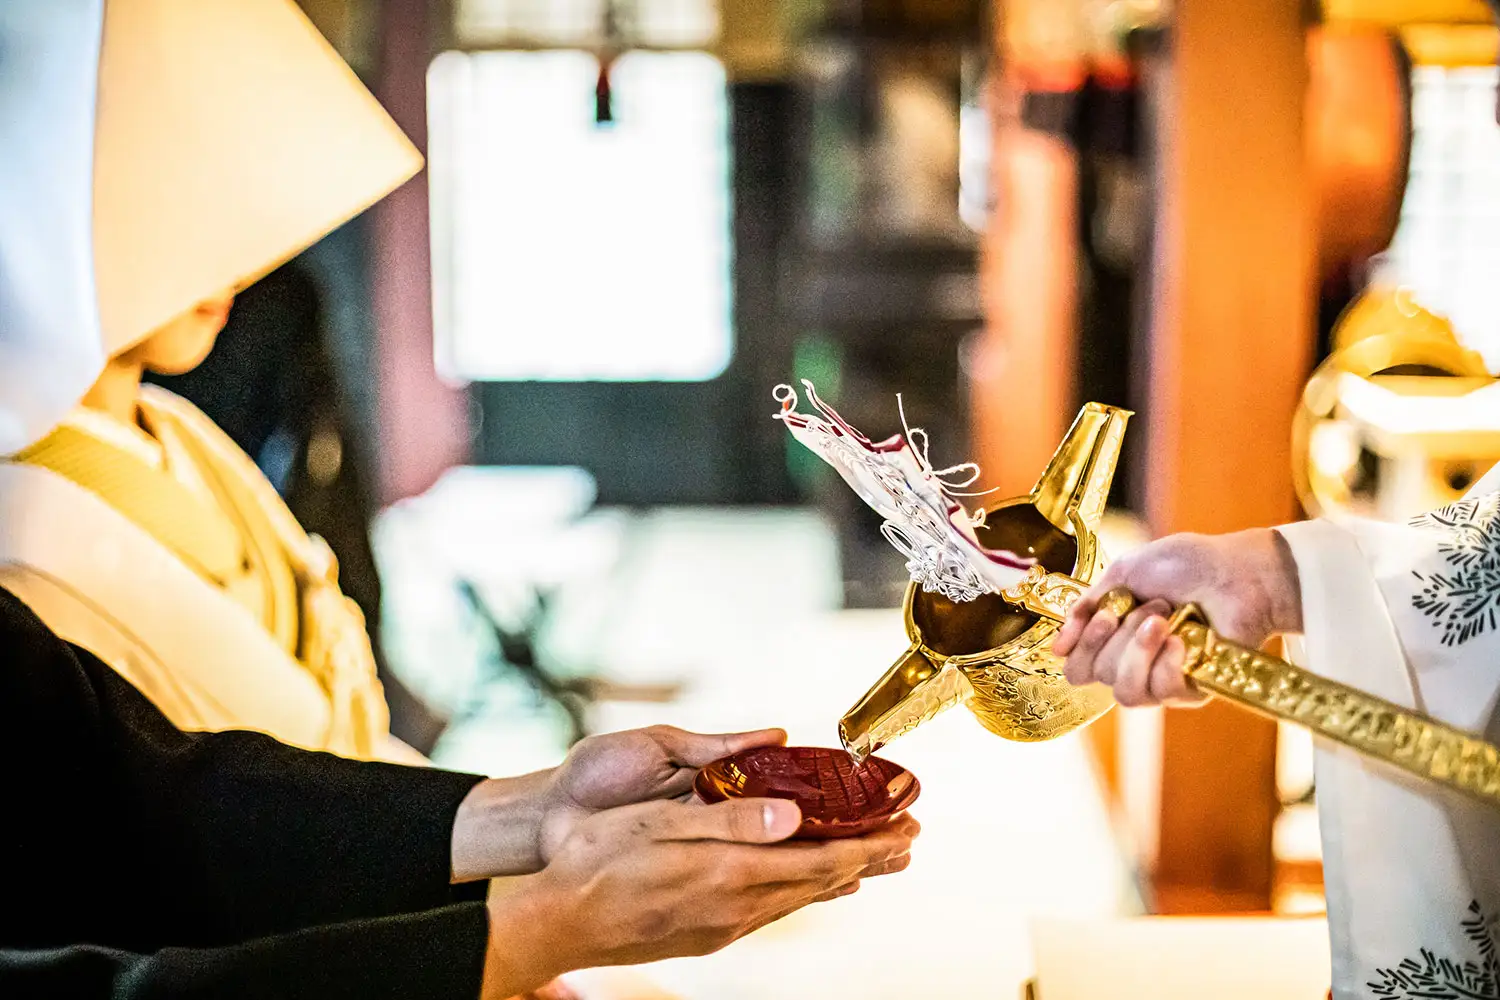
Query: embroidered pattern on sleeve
[[1432, 978], [1463, 598]]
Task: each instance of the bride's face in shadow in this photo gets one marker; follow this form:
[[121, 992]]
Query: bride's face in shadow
[[181, 344]]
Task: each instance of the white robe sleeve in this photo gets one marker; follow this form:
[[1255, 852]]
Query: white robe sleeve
[[1410, 613]]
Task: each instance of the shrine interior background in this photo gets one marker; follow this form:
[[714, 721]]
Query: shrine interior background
[[547, 367]]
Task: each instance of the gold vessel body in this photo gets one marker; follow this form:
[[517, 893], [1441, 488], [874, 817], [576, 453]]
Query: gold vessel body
[[993, 655]]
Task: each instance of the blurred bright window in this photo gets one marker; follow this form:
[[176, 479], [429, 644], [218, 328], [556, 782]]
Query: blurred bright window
[[566, 249], [1447, 247]]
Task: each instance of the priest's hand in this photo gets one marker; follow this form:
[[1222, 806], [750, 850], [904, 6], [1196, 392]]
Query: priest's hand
[[639, 765], [664, 879], [1245, 583]]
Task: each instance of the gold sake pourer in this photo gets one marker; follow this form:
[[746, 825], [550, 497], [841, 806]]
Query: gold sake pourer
[[993, 654]]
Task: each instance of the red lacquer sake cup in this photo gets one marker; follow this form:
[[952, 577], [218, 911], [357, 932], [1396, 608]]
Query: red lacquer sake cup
[[837, 798]]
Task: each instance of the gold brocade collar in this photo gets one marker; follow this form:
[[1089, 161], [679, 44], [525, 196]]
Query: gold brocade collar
[[116, 465]]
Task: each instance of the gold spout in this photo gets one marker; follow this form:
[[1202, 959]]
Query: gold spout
[[1077, 480], [916, 688]]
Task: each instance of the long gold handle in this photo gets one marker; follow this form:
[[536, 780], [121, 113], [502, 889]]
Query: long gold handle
[[1405, 738]]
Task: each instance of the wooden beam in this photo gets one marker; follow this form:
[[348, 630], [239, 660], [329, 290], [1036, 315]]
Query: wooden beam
[[1452, 46], [1230, 346], [1393, 13]]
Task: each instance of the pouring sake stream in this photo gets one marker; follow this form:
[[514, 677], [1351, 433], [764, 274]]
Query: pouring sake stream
[[990, 592]]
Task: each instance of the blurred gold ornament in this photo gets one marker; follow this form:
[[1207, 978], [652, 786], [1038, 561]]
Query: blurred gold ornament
[[1401, 417]]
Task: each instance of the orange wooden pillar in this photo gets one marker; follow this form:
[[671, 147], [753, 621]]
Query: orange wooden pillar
[[1230, 346], [1023, 370], [1024, 375]]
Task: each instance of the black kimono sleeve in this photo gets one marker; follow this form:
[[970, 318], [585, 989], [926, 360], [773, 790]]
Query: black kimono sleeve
[[123, 834], [433, 955]]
